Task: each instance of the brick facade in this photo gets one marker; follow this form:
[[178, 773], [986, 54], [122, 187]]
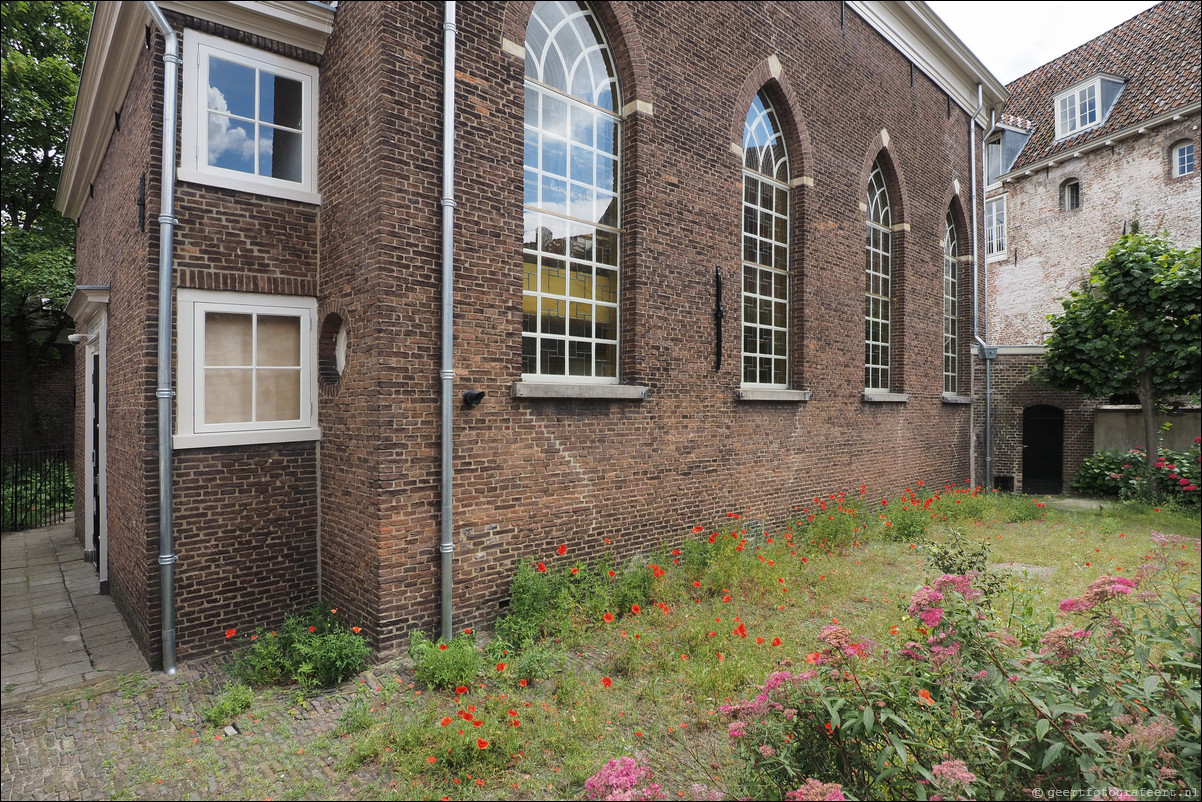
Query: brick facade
[[1124, 170], [355, 518]]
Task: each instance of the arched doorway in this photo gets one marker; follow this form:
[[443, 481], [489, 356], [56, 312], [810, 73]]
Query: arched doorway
[[1043, 449]]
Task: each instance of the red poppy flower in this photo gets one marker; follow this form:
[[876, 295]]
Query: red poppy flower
[[334, 611], [758, 640], [740, 630], [606, 681], [574, 570], [698, 528], [562, 550], [812, 657], [356, 630], [776, 641], [634, 608], [312, 629], [480, 742], [461, 690], [696, 583], [516, 723], [442, 647], [431, 759], [445, 721], [522, 682], [612, 574], [500, 666], [467, 631], [924, 698], [229, 633], [542, 569], [608, 618]]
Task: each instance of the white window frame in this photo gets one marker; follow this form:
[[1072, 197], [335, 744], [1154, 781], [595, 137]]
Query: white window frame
[[191, 431], [194, 129], [1067, 107], [1070, 195], [995, 234], [580, 22], [1184, 154], [992, 146], [879, 279], [951, 307]]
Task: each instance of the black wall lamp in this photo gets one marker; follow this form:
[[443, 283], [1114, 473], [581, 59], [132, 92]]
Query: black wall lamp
[[472, 398]]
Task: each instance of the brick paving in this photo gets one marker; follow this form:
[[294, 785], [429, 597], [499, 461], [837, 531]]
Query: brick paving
[[84, 717]]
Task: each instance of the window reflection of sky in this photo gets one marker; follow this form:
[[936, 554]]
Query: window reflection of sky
[[232, 139]]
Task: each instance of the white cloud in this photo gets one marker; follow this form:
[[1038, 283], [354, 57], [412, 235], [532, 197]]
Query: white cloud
[[224, 137]]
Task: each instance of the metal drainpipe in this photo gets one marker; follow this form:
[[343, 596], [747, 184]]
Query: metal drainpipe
[[447, 373], [987, 351], [164, 393]]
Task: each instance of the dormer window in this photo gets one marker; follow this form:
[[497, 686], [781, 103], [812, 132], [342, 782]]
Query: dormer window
[[1085, 105], [993, 160]]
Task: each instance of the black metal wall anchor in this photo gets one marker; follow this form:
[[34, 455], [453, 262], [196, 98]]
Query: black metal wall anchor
[[719, 313]]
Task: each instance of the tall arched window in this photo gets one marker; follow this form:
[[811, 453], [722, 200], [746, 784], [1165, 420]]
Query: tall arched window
[[571, 218], [878, 301], [951, 308], [765, 248]]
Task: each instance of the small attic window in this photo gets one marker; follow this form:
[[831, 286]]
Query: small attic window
[[1085, 105]]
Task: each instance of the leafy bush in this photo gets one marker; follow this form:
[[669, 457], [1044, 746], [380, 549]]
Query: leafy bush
[[1124, 474], [957, 557], [1108, 701], [235, 699], [445, 665], [313, 649]]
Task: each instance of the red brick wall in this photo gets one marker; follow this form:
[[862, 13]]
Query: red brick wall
[[246, 543], [533, 474], [110, 250]]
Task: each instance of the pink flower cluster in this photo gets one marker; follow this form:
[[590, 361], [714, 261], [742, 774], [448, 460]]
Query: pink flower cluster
[[1101, 589], [814, 791], [924, 604], [620, 780], [961, 583], [952, 777]]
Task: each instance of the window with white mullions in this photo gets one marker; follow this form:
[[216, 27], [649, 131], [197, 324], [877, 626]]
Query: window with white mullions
[[951, 307], [1183, 159], [995, 227], [571, 220], [878, 302], [249, 119], [765, 248]]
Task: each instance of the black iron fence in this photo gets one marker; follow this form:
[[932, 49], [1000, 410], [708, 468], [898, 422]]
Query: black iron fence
[[38, 488]]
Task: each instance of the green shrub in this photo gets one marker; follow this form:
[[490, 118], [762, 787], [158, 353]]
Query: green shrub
[[1108, 700], [445, 665], [955, 556], [236, 698], [1124, 475], [313, 649]]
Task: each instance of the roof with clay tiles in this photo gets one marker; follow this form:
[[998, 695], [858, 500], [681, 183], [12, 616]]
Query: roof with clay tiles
[[1158, 52]]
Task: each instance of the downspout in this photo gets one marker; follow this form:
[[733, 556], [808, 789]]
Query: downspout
[[164, 393], [447, 373], [988, 352]]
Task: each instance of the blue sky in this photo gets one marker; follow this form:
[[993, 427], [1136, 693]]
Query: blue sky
[[1013, 38]]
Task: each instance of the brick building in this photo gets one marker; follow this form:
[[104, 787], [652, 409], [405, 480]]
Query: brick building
[[1088, 144], [623, 173]]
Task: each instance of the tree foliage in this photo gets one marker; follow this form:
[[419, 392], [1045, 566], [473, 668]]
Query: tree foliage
[[43, 51], [1134, 328]]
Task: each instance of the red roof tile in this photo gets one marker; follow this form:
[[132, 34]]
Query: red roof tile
[[1158, 52]]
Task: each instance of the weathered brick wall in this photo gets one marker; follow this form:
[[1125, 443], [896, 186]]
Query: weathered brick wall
[[533, 474], [1050, 251]]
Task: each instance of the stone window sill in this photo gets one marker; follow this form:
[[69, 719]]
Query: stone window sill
[[877, 397], [952, 398], [580, 391], [772, 395]]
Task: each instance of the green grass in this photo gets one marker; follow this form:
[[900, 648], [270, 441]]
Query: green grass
[[666, 676]]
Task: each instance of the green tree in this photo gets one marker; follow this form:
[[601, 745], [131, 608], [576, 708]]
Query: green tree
[[43, 50], [1132, 329]]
